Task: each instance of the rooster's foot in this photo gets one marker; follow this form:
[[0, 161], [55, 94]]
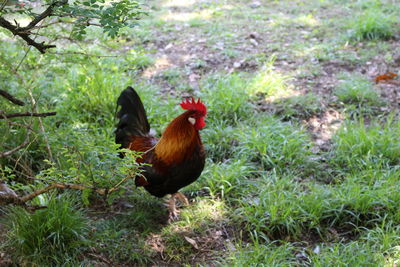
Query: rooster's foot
[[171, 205]]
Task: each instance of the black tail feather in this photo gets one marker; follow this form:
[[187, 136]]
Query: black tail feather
[[132, 118]]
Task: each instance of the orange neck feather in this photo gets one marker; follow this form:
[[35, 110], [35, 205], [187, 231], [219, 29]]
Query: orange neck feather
[[178, 140]]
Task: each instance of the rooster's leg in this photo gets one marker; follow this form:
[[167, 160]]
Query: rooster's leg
[[171, 205], [182, 198], [173, 212]]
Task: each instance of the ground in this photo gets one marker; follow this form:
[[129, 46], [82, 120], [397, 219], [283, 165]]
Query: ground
[[302, 142]]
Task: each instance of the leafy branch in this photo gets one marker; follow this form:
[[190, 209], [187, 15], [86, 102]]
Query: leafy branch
[[8, 196], [111, 17]]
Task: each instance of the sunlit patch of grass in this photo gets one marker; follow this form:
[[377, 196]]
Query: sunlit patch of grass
[[200, 214], [194, 220], [270, 83], [307, 20], [179, 3], [372, 24], [188, 16]]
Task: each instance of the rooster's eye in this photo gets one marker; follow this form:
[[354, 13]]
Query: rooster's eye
[[192, 120]]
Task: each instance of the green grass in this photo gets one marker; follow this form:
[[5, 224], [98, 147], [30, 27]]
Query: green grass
[[302, 106], [120, 243], [227, 99], [357, 89], [373, 24], [353, 254], [263, 255], [55, 235], [269, 195], [360, 147], [197, 221], [273, 144]]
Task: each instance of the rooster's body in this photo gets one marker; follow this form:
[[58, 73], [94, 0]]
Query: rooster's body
[[176, 159]]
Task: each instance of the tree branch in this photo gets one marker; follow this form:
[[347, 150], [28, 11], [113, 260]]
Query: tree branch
[[25, 32], [15, 149], [61, 186], [11, 98], [47, 13], [24, 35], [27, 114], [8, 196]]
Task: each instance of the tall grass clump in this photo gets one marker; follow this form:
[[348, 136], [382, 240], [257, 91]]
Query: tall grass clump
[[262, 255], [226, 99], [225, 179], [357, 89], [90, 94], [273, 144], [372, 24], [54, 235], [220, 142], [351, 254], [359, 147], [281, 207]]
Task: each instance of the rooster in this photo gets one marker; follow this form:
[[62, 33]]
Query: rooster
[[173, 161]]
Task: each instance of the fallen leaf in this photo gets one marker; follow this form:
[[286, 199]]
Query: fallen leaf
[[385, 77], [192, 242]]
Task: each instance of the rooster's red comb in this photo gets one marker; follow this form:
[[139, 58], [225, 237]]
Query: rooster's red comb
[[191, 104]]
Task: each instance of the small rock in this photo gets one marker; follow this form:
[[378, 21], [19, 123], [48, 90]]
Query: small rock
[[254, 35], [255, 4], [194, 77], [253, 42], [169, 46], [237, 65], [192, 242]]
